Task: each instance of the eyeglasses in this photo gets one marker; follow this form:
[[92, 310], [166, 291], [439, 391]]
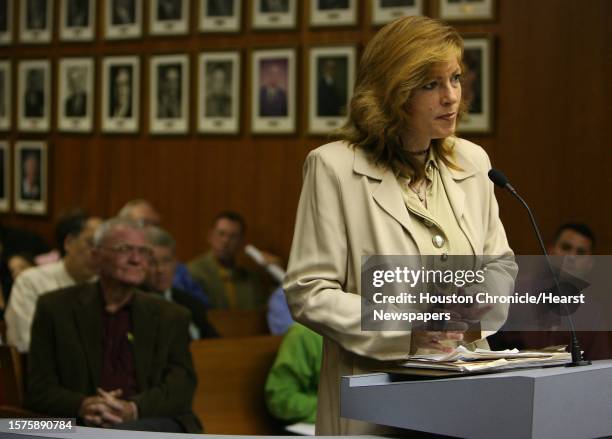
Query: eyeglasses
[[128, 250]]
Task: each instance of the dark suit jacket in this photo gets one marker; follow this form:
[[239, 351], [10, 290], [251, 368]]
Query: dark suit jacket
[[76, 105], [198, 312], [34, 103], [65, 359], [272, 106]]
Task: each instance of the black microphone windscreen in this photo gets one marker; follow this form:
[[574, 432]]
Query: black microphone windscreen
[[498, 177]]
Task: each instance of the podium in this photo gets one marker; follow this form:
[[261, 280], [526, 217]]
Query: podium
[[557, 402]]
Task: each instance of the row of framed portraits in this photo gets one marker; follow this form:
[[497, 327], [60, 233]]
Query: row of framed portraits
[[123, 19], [29, 170], [273, 90]]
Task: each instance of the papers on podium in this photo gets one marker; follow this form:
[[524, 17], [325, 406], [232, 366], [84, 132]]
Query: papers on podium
[[462, 360]]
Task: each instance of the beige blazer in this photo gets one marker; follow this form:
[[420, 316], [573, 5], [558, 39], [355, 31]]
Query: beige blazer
[[349, 207]]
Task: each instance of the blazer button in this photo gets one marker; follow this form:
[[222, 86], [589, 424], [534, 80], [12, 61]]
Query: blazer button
[[438, 241]]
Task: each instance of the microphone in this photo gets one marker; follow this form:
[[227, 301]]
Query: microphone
[[500, 180]]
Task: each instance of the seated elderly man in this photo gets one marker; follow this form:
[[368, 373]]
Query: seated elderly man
[[143, 212], [109, 354], [159, 281], [74, 235]]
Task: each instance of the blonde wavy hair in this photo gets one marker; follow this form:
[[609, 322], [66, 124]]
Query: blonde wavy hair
[[396, 62]]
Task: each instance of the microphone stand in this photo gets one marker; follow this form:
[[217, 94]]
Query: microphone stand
[[577, 359]]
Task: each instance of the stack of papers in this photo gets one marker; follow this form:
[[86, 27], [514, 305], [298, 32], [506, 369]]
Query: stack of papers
[[481, 360]]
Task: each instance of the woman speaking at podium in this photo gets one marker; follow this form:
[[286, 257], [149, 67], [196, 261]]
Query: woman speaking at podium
[[397, 183]]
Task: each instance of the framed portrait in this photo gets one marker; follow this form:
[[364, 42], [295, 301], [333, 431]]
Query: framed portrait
[[76, 95], [36, 21], [123, 19], [168, 17], [5, 162], [30, 184], [169, 94], [77, 20], [333, 12], [120, 94], [274, 14], [385, 11], [273, 91], [331, 77], [5, 95], [477, 86], [219, 92], [6, 22], [466, 10], [33, 95], [220, 15]]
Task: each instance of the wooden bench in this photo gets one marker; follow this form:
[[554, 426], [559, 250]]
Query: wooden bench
[[12, 384], [239, 322], [231, 375]]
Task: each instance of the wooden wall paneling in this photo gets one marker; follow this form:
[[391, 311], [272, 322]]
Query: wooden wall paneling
[[551, 98]]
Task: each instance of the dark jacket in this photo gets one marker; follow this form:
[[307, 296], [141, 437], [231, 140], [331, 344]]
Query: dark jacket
[[65, 359], [198, 312]]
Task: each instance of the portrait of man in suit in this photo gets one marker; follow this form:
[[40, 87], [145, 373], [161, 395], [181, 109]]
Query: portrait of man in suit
[[120, 91], [36, 14], [331, 86], [123, 12], [218, 96], [34, 96], [75, 104], [30, 175], [220, 8], [333, 4], [169, 93], [169, 10], [77, 13], [273, 74], [274, 5]]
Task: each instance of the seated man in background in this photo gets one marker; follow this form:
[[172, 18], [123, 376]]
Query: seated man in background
[[159, 281], [110, 354], [228, 285], [74, 235], [143, 212], [19, 263], [293, 380], [14, 241], [575, 241]]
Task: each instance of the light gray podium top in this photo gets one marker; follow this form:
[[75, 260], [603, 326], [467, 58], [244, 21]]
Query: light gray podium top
[[553, 402]]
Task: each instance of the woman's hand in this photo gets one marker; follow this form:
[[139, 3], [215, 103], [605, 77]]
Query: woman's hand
[[443, 341]]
